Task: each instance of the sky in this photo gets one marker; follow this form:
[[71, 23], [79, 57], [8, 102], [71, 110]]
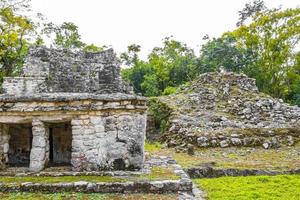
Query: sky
[[119, 23]]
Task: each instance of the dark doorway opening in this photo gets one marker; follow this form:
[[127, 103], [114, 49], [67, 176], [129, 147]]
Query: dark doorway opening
[[20, 143], [60, 144]]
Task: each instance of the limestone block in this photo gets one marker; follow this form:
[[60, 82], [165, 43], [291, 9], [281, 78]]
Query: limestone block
[[99, 129], [37, 154], [202, 141], [77, 143], [117, 150], [39, 141], [77, 131], [89, 131], [96, 120], [100, 134], [36, 166], [224, 144], [76, 122], [236, 141], [89, 143], [111, 104], [130, 107], [77, 137]]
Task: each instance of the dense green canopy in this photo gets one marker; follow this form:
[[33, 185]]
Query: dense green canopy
[[266, 48]]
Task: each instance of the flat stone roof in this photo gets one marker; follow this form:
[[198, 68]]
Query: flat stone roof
[[65, 97]]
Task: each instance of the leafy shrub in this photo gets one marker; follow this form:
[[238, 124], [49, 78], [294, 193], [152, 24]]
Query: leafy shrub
[[170, 90], [161, 112]]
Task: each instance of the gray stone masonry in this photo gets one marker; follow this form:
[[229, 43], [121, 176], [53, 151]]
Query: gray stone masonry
[[39, 155], [51, 70], [84, 92], [225, 110], [4, 138]]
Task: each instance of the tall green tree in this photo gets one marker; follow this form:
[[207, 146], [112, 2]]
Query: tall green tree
[[15, 30], [272, 37], [130, 57], [67, 36], [265, 46], [174, 63], [136, 71], [250, 10], [64, 36], [293, 83], [168, 66], [222, 52], [19, 28]]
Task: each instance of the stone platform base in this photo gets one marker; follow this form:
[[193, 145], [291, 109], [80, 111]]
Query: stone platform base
[[182, 186], [166, 186], [210, 172]]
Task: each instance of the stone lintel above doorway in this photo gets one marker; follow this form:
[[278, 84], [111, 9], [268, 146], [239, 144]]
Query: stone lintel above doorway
[[106, 134]]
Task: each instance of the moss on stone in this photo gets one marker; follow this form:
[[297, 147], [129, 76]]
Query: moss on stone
[[58, 179], [159, 173], [156, 173], [84, 196]]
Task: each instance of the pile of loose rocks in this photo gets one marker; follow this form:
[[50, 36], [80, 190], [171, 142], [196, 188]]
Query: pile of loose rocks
[[226, 109]]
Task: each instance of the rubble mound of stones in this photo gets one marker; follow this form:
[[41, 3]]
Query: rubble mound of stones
[[226, 109]]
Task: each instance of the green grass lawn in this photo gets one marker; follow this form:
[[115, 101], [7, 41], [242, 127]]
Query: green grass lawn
[[58, 179], [81, 196], [284, 158], [157, 173], [281, 187]]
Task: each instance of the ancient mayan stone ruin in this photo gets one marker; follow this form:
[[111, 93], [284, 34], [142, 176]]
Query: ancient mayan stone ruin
[[71, 108], [225, 110]]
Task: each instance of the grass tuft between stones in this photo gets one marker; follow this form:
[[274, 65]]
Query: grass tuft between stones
[[160, 173]]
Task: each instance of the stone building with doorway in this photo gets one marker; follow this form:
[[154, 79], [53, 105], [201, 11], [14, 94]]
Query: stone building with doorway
[[72, 109]]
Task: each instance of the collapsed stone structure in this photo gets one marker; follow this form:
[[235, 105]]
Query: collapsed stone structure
[[223, 110], [71, 108]]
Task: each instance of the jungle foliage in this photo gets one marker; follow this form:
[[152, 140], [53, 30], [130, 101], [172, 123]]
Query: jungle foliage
[[264, 45], [20, 28]]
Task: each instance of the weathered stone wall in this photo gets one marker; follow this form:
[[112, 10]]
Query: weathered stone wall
[[52, 70], [108, 123], [110, 141], [263, 137], [4, 143], [106, 133], [39, 155], [67, 102], [23, 85]]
